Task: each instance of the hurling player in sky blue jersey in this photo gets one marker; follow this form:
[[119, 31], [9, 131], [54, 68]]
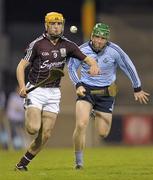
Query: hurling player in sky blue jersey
[[109, 56]]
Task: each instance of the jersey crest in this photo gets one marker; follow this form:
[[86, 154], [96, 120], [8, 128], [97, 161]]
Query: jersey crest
[[63, 52]]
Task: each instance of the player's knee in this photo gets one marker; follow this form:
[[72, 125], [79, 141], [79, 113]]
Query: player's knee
[[81, 126], [103, 134], [32, 129]]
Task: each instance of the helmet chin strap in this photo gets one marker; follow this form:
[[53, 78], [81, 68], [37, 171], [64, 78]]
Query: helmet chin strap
[[53, 37], [94, 48]]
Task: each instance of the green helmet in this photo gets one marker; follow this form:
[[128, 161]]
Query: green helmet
[[102, 30]]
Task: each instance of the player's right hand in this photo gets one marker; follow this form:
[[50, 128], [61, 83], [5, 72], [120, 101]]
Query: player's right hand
[[22, 92], [81, 91], [94, 69]]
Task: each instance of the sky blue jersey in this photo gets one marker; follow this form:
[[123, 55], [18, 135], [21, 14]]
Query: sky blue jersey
[[108, 60]]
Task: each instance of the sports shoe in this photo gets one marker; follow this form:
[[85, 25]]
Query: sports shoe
[[79, 167], [20, 168]]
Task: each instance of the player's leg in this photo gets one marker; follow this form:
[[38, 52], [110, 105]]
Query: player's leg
[[83, 109], [103, 114], [33, 120], [49, 116], [103, 123], [48, 121], [33, 124]]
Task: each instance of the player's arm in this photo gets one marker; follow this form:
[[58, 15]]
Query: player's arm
[[73, 66], [94, 69], [76, 53], [20, 74], [30, 53], [129, 69]]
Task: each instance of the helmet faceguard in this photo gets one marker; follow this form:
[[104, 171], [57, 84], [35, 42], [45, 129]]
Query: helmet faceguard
[[54, 17], [101, 30]]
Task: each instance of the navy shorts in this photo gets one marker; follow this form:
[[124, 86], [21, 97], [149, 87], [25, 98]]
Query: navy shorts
[[99, 102]]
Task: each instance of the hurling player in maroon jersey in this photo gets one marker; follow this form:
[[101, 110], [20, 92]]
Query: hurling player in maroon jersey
[[49, 50]]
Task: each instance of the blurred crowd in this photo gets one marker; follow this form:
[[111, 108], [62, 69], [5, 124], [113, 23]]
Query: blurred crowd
[[12, 133]]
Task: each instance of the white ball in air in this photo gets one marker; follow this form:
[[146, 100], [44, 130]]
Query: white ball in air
[[73, 29]]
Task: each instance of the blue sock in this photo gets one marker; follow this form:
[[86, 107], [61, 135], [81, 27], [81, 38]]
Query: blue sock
[[79, 157]]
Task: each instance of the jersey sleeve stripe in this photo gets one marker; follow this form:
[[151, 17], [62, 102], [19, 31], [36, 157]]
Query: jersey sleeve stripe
[[130, 70], [27, 56], [72, 72], [30, 49]]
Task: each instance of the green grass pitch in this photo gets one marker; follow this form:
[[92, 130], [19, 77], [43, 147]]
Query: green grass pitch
[[105, 163]]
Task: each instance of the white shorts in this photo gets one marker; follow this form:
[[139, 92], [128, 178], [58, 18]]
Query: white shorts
[[46, 99]]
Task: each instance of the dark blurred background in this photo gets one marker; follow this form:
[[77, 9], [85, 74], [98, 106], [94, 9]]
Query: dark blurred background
[[131, 23]]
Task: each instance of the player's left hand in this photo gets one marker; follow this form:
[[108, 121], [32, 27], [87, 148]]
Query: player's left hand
[[142, 97]]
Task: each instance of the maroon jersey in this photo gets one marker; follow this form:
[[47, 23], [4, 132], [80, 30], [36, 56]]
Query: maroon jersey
[[43, 55]]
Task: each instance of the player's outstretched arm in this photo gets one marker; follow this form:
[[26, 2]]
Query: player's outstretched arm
[[142, 97]]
